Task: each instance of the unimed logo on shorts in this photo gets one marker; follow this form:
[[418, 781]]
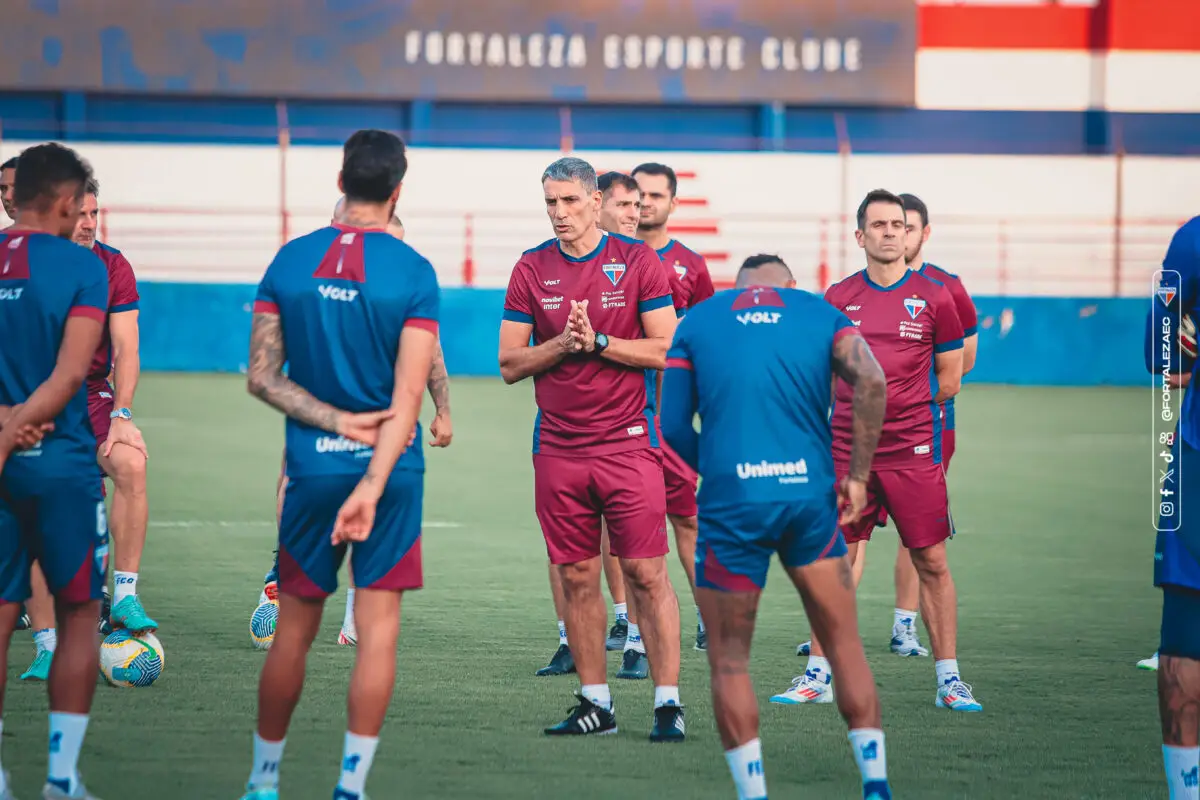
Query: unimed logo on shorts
[[785, 471], [340, 444]]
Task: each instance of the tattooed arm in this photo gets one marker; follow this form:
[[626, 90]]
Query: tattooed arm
[[856, 365], [439, 381], [266, 381]]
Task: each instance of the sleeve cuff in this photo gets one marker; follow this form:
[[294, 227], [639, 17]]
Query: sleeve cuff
[[848, 330], [511, 315], [91, 312], [655, 303], [946, 347], [971, 331], [679, 363], [265, 307], [117, 309], [422, 323]]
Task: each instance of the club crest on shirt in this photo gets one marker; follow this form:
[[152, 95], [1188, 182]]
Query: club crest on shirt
[[680, 270], [614, 271], [914, 306], [1166, 294]]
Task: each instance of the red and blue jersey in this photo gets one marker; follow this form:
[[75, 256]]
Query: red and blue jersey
[[44, 280], [343, 296], [1178, 293], [122, 296], [967, 315], [906, 325], [588, 405], [690, 269], [756, 365]]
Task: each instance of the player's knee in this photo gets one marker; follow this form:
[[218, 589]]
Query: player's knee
[[644, 575], [931, 562], [580, 579], [128, 468]]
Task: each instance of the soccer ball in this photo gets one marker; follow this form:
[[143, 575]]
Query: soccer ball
[[131, 659], [262, 625]]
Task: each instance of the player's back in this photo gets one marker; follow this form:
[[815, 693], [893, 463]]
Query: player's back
[[44, 280], [343, 296], [763, 364]]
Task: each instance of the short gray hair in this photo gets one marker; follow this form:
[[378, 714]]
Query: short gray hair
[[572, 169]]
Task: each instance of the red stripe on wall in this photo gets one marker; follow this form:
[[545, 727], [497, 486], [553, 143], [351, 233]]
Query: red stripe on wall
[[1154, 25]]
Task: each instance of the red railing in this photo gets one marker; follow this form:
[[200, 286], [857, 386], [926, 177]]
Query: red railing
[[1004, 256]]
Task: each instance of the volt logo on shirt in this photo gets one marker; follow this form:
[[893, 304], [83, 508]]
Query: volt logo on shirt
[[11, 294], [337, 293], [759, 317]]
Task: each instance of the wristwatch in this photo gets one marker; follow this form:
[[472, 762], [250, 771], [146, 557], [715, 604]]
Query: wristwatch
[[601, 343], [121, 413]]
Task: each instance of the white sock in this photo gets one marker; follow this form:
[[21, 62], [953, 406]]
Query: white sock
[[267, 755], [599, 694], [348, 619], [46, 639], [1182, 765], [621, 610], [124, 585], [633, 641], [819, 665], [869, 754], [700, 620], [562, 633], [66, 740], [947, 671], [357, 755], [666, 696], [746, 766], [904, 618]]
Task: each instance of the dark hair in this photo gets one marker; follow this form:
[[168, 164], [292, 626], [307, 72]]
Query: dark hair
[[10, 164], [876, 196], [652, 168], [373, 165], [92, 187], [762, 259], [46, 170], [608, 180], [914, 203]]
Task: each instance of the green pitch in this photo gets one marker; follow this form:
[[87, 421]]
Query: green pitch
[[1053, 562]]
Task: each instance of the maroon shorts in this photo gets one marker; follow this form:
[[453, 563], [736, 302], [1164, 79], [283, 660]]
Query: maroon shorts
[[916, 500], [100, 407], [947, 454], [572, 493]]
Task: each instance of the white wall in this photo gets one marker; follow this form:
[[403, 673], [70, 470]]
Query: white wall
[[1021, 225]]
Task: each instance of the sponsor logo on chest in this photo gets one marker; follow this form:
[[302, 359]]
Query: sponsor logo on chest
[[340, 444], [337, 293], [11, 294], [759, 317], [784, 471], [913, 327]]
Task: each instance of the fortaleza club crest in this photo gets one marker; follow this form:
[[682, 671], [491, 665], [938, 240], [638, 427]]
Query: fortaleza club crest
[[915, 306], [1166, 294], [614, 271], [680, 270]]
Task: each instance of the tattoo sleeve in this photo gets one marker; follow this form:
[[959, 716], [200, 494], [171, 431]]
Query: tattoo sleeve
[[439, 381], [266, 381], [854, 363]]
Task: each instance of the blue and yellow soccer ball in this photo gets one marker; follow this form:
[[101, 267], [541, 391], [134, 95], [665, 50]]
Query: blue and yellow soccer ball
[[262, 625], [130, 659]]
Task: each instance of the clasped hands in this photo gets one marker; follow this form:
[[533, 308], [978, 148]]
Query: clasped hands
[[578, 336]]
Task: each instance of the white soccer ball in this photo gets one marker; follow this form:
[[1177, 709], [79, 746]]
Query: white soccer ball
[[129, 659], [262, 624]]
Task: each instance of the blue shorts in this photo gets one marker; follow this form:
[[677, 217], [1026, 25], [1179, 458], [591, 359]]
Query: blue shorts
[[733, 551], [61, 524], [1180, 623], [389, 559]]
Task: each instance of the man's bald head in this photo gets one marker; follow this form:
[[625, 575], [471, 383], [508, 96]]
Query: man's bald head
[[765, 270]]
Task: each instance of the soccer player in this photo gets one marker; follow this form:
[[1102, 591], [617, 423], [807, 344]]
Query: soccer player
[[659, 185], [600, 310], [358, 361], [1177, 547], [756, 362], [8, 178], [620, 208], [53, 299], [911, 324], [441, 429]]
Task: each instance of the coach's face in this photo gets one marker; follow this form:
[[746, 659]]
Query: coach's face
[[572, 211], [7, 178], [915, 237], [882, 235], [621, 210], [89, 216]]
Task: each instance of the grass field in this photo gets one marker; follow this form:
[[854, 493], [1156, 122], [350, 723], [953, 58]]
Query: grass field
[[1053, 563]]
